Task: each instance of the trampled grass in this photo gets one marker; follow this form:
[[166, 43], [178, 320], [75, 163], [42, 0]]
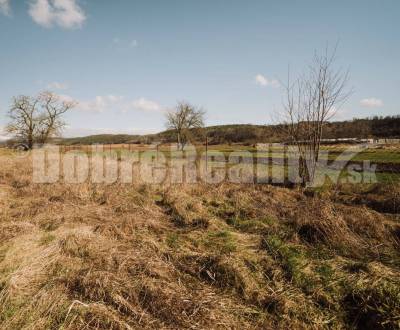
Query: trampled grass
[[129, 256]]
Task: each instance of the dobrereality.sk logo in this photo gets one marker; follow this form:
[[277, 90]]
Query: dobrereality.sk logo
[[272, 163]]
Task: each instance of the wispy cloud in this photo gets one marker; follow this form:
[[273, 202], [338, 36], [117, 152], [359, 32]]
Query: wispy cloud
[[103, 103], [100, 103], [121, 43], [57, 85], [5, 7], [64, 13], [146, 105], [372, 103], [264, 81]]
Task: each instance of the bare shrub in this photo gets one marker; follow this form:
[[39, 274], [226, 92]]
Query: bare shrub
[[311, 101]]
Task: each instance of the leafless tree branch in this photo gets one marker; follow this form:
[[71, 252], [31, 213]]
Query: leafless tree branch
[[36, 119], [184, 118], [312, 100]]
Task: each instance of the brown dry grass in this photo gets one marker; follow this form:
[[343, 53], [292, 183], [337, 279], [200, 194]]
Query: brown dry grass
[[190, 256]]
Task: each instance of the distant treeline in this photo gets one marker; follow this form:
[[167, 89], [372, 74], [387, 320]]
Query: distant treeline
[[374, 127]]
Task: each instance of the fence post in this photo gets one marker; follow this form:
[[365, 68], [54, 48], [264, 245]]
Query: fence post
[[270, 163], [285, 165], [206, 153]]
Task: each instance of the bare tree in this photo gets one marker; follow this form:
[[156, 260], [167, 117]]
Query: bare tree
[[36, 119], [23, 119], [50, 121], [184, 118], [311, 101]]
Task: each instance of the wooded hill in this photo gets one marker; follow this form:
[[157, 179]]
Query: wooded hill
[[375, 127]]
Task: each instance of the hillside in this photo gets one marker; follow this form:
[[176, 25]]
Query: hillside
[[102, 139], [377, 127]]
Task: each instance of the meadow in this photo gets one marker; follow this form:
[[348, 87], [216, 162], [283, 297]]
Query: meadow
[[382, 160], [215, 256]]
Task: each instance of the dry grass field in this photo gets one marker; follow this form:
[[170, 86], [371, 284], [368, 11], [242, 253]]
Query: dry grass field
[[227, 256]]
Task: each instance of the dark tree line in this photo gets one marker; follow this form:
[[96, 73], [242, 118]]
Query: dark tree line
[[374, 127]]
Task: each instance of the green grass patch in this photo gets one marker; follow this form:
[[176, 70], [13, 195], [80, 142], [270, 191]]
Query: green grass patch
[[293, 261], [256, 226], [221, 241], [326, 272], [172, 240]]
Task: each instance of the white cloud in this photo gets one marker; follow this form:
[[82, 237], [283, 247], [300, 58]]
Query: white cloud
[[371, 103], [114, 98], [57, 85], [64, 13], [100, 103], [146, 105], [261, 80], [264, 81], [5, 7], [124, 43], [66, 98], [96, 105]]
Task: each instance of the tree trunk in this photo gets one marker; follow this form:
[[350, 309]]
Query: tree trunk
[[30, 141], [179, 142]]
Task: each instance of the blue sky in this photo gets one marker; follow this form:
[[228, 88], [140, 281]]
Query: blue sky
[[127, 61]]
